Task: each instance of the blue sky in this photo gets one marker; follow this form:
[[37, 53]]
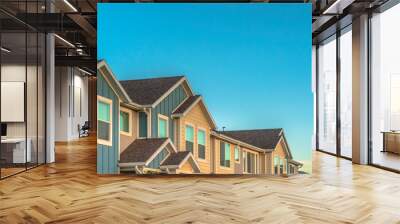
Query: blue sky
[[251, 62]]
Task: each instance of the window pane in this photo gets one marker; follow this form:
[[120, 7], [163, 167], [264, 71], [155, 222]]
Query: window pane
[[103, 130], [227, 154], [385, 88], [327, 95], [189, 146], [103, 111], [124, 121], [222, 153], [202, 151], [346, 93], [236, 153], [162, 128], [201, 137], [189, 133]]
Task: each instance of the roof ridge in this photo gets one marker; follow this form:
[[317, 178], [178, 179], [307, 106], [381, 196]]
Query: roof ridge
[[160, 77], [260, 129]]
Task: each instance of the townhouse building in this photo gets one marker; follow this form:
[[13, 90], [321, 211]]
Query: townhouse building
[[159, 125]]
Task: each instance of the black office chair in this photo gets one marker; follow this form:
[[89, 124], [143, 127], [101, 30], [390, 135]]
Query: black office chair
[[84, 130]]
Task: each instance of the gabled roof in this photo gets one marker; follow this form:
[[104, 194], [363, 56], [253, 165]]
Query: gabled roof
[[141, 151], [296, 163], [148, 91], [219, 135], [262, 138], [175, 158], [178, 159], [188, 104], [109, 76]]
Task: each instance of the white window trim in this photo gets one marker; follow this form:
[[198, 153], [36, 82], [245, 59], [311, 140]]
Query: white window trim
[[129, 112], [205, 143], [102, 141], [163, 117]]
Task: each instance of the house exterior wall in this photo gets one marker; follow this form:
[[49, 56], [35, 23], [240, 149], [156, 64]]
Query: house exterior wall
[[186, 168], [125, 139], [108, 156], [196, 118], [280, 151], [166, 107], [238, 164], [269, 163]]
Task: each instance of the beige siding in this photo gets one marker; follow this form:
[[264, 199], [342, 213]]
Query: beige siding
[[186, 168], [197, 118], [269, 163], [280, 151], [126, 140]]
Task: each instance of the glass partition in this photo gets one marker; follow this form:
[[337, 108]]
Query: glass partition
[[346, 92], [385, 89], [22, 101], [327, 95]]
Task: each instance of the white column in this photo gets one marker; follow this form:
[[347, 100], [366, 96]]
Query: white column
[[360, 90], [50, 101]]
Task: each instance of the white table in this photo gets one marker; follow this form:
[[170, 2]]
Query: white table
[[19, 153]]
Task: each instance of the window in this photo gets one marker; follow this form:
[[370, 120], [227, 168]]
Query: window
[[104, 121], [189, 136], [201, 144], [385, 88], [276, 164], [125, 121], [244, 161], [327, 95], [345, 92], [225, 154], [249, 162], [162, 126], [142, 124], [236, 153]]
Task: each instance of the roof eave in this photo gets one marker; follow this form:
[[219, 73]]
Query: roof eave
[[247, 145]]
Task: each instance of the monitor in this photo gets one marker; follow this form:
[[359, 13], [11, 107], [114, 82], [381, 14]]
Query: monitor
[[3, 129]]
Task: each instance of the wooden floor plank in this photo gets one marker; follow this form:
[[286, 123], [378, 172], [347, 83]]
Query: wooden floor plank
[[69, 191]]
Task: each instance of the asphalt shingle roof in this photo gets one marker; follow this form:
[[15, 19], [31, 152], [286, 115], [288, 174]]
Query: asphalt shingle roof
[[175, 158], [261, 138], [148, 91], [141, 150], [185, 105]]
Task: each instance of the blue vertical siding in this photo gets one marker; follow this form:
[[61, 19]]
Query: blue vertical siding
[[166, 107], [142, 124], [155, 163], [107, 156]]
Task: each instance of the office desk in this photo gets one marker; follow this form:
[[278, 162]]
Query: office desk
[[391, 141], [13, 150]]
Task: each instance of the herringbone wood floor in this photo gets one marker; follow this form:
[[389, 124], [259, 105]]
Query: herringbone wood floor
[[69, 191]]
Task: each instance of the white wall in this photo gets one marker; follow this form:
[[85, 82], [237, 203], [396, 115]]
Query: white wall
[[71, 102]]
